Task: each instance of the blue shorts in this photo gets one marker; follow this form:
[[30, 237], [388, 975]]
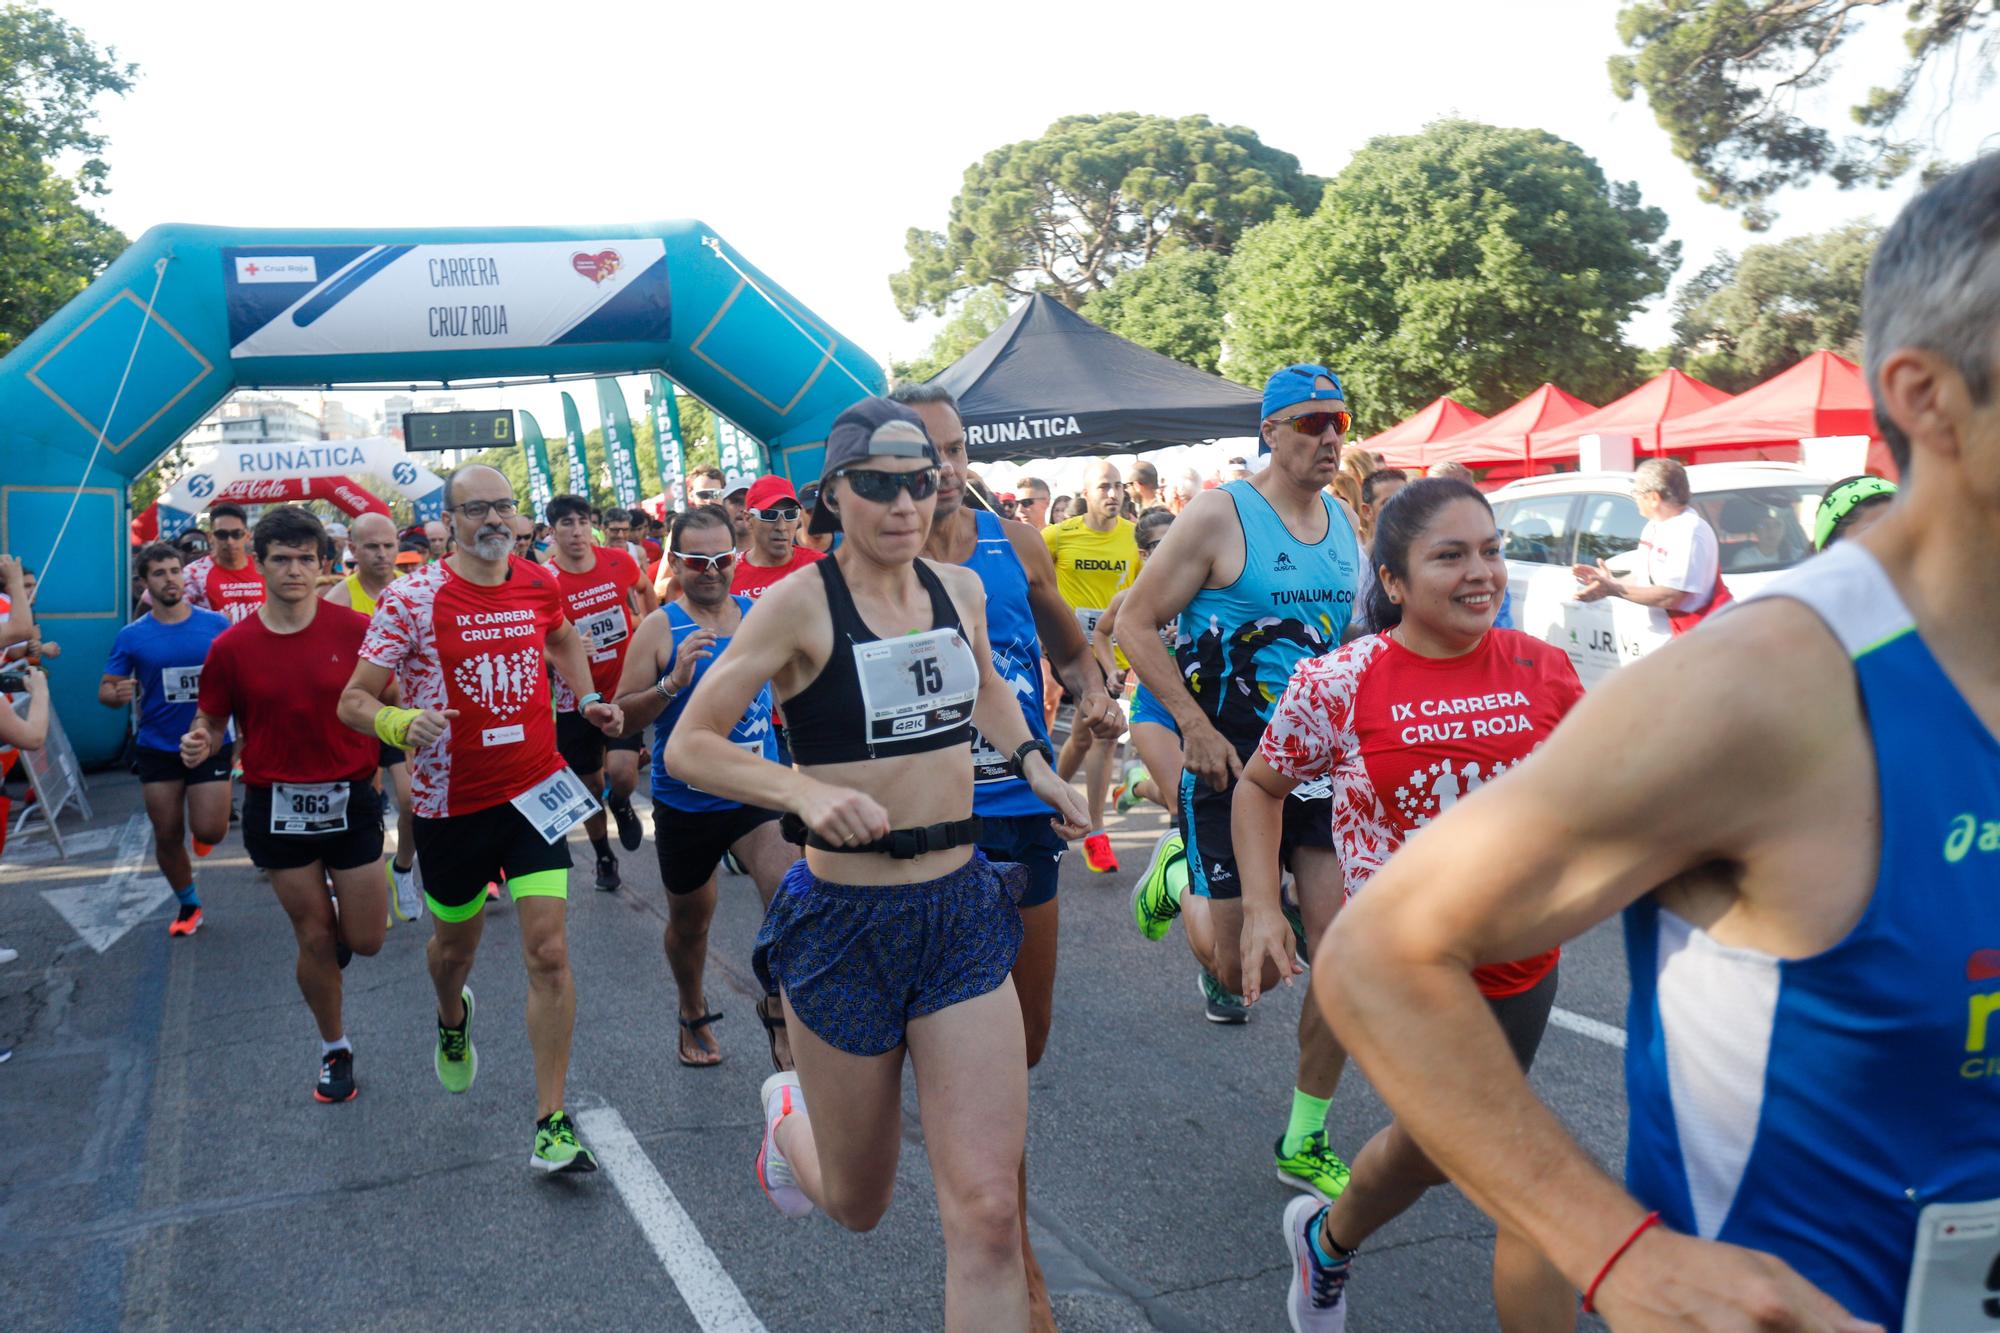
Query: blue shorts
[[858, 962], [1146, 707], [1029, 842]]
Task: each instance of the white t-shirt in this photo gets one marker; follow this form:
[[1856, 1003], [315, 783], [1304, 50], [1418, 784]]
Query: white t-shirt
[[1680, 552]]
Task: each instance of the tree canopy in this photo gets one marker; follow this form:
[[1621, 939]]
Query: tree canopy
[[1723, 78], [1467, 260], [1172, 305], [1743, 319], [1096, 195], [51, 244]]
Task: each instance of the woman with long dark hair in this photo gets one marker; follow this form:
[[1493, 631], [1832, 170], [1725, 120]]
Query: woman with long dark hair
[[1407, 721]]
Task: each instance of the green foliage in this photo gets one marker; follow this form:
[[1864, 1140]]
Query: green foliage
[[977, 315], [1466, 260], [1741, 320], [1723, 77], [697, 441], [1094, 196], [51, 245], [1172, 305]]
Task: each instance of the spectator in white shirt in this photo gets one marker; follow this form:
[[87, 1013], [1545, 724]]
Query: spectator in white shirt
[[1681, 563]]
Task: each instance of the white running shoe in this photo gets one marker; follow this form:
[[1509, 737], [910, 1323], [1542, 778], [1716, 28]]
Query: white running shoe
[[405, 903], [782, 1097], [1317, 1301], [8, 955]]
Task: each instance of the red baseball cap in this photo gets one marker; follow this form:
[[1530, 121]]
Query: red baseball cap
[[767, 491]]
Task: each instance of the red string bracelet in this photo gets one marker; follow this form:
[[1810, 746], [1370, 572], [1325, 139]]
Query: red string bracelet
[[1590, 1292]]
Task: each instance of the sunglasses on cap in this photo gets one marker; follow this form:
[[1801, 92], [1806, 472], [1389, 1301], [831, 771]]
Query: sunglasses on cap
[[776, 513], [1316, 423], [701, 564], [881, 487]]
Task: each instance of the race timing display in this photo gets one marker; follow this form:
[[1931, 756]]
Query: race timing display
[[457, 430]]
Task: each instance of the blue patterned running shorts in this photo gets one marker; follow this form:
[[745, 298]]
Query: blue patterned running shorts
[[858, 961]]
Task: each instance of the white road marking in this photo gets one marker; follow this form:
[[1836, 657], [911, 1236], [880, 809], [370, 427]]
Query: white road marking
[[102, 913], [76, 844], [711, 1294], [1589, 1027]]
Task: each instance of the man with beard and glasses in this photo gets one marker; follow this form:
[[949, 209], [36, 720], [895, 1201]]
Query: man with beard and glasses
[[692, 829], [373, 539], [470, 640], [158, 660], [1023, 611]]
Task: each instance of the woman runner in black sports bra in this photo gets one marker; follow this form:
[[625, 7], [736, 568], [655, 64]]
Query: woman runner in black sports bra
[[880, 661]]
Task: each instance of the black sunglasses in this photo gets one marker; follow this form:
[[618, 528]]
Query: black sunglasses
[[701, 564], [881, 487], [229, 534], [776, 513]]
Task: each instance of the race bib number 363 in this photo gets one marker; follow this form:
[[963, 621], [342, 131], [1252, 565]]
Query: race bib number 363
[[915, 685], [308, 808]]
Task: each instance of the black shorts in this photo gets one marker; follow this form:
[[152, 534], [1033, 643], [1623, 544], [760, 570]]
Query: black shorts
[[359, 844], [1029, 841], [165, 766], [1525, 1017], [391, 756], [690, 843], [1203, 819], [460, 855], [582, 745]]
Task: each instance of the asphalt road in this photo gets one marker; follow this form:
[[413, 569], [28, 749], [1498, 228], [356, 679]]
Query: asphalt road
[[166, 1166]]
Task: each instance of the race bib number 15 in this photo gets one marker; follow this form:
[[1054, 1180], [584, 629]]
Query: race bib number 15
[[915, 685]]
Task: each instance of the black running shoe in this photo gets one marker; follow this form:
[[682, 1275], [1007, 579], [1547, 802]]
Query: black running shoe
[[336, 1078], [607, 874], [342, 954], [627, 819]]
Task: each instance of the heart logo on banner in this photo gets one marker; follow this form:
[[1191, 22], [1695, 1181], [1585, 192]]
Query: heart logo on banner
[[596, 267]]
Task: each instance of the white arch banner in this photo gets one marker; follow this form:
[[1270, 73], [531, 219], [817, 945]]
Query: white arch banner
[[218, 467]]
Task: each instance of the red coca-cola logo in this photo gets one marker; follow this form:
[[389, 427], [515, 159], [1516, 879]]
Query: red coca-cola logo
[[597, 267], [271, 488]]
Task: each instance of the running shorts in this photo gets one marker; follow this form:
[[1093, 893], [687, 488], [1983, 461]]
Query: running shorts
[[1525, 1017], [858, 962], [460, 855], [165, 766], [582, 745], [1029, 842], [390, 756], [359, 844], [690, 843], [1146, 707], [1203, 819]]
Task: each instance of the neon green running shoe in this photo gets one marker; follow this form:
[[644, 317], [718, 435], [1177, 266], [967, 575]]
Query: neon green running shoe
[[1156, 898], [1314, 1169], [556, 1147], [1128, 795], [457, 1058]]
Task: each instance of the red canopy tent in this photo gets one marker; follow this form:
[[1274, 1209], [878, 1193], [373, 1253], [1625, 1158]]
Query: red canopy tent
[[1641, 413], [1822, 395], [1402, 445], [1505, 438]]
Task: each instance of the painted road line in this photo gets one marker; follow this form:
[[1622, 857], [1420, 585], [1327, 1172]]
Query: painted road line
[[711, 1294], [1589, 1027], [86, 843], [102, 913]]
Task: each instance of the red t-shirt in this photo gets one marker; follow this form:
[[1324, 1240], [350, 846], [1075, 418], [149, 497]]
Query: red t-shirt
[[1405, 737], [458, 644], [233, 592], [284, 692], [597, 605], [751, 580]]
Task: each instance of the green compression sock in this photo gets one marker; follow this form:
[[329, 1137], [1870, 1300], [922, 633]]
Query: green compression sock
[[1308, 1119], [1177, 875]]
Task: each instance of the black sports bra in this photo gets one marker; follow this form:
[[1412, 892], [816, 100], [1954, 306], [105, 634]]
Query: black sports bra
[[878, 698]]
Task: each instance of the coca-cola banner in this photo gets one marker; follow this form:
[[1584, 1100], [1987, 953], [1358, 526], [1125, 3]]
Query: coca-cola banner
[[275, 472]]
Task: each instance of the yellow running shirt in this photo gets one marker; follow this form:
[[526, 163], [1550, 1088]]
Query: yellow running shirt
[[1090, 565], [358, 596]]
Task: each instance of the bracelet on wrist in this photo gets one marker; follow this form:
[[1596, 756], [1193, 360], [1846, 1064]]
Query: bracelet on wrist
[[1590, 1292], [594, 697], [667, 693]]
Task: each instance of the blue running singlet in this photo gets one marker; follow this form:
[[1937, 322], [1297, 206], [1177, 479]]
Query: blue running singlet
[[166, 660], [752, 732], [1017, 659], [1292, 601], [1815, 1108]]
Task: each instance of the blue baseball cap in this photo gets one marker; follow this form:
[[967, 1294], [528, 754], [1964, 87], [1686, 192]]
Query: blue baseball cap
[[1294, 384]]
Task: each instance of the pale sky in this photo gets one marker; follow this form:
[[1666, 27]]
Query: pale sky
[[813, 135]]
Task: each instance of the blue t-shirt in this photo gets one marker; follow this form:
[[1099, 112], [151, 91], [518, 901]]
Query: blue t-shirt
[[166, 660], [752, 732]]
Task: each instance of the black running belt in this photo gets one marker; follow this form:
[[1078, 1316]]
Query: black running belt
[[905, 844]]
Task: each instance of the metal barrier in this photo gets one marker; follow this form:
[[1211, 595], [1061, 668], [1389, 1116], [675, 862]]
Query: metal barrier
[[57, 781]]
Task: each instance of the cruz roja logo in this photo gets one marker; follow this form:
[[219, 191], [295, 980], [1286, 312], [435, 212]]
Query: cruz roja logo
[[1981, 968], [500, 682]]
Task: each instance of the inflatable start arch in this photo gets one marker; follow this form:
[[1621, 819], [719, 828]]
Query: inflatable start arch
[[188, 314]]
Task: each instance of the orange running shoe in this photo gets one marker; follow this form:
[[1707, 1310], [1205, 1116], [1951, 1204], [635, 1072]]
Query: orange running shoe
[[1097, 853], [187, 922], [203, 848]]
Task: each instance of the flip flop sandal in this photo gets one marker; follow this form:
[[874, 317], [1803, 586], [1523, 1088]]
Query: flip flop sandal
[[694, 1027], [771, 1013]]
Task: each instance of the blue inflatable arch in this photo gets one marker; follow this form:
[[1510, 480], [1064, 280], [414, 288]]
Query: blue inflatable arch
[[188, 314]]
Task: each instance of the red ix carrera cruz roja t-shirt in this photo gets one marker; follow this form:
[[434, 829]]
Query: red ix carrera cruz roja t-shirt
[[457, 644], [1406, 737], [596, 604]]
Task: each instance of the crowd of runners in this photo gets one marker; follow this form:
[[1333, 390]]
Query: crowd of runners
[[850, 694]]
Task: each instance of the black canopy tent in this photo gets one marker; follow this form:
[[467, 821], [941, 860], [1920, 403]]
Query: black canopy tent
[[1050, 384]]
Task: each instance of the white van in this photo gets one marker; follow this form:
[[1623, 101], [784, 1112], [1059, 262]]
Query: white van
[[1762, 514]]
